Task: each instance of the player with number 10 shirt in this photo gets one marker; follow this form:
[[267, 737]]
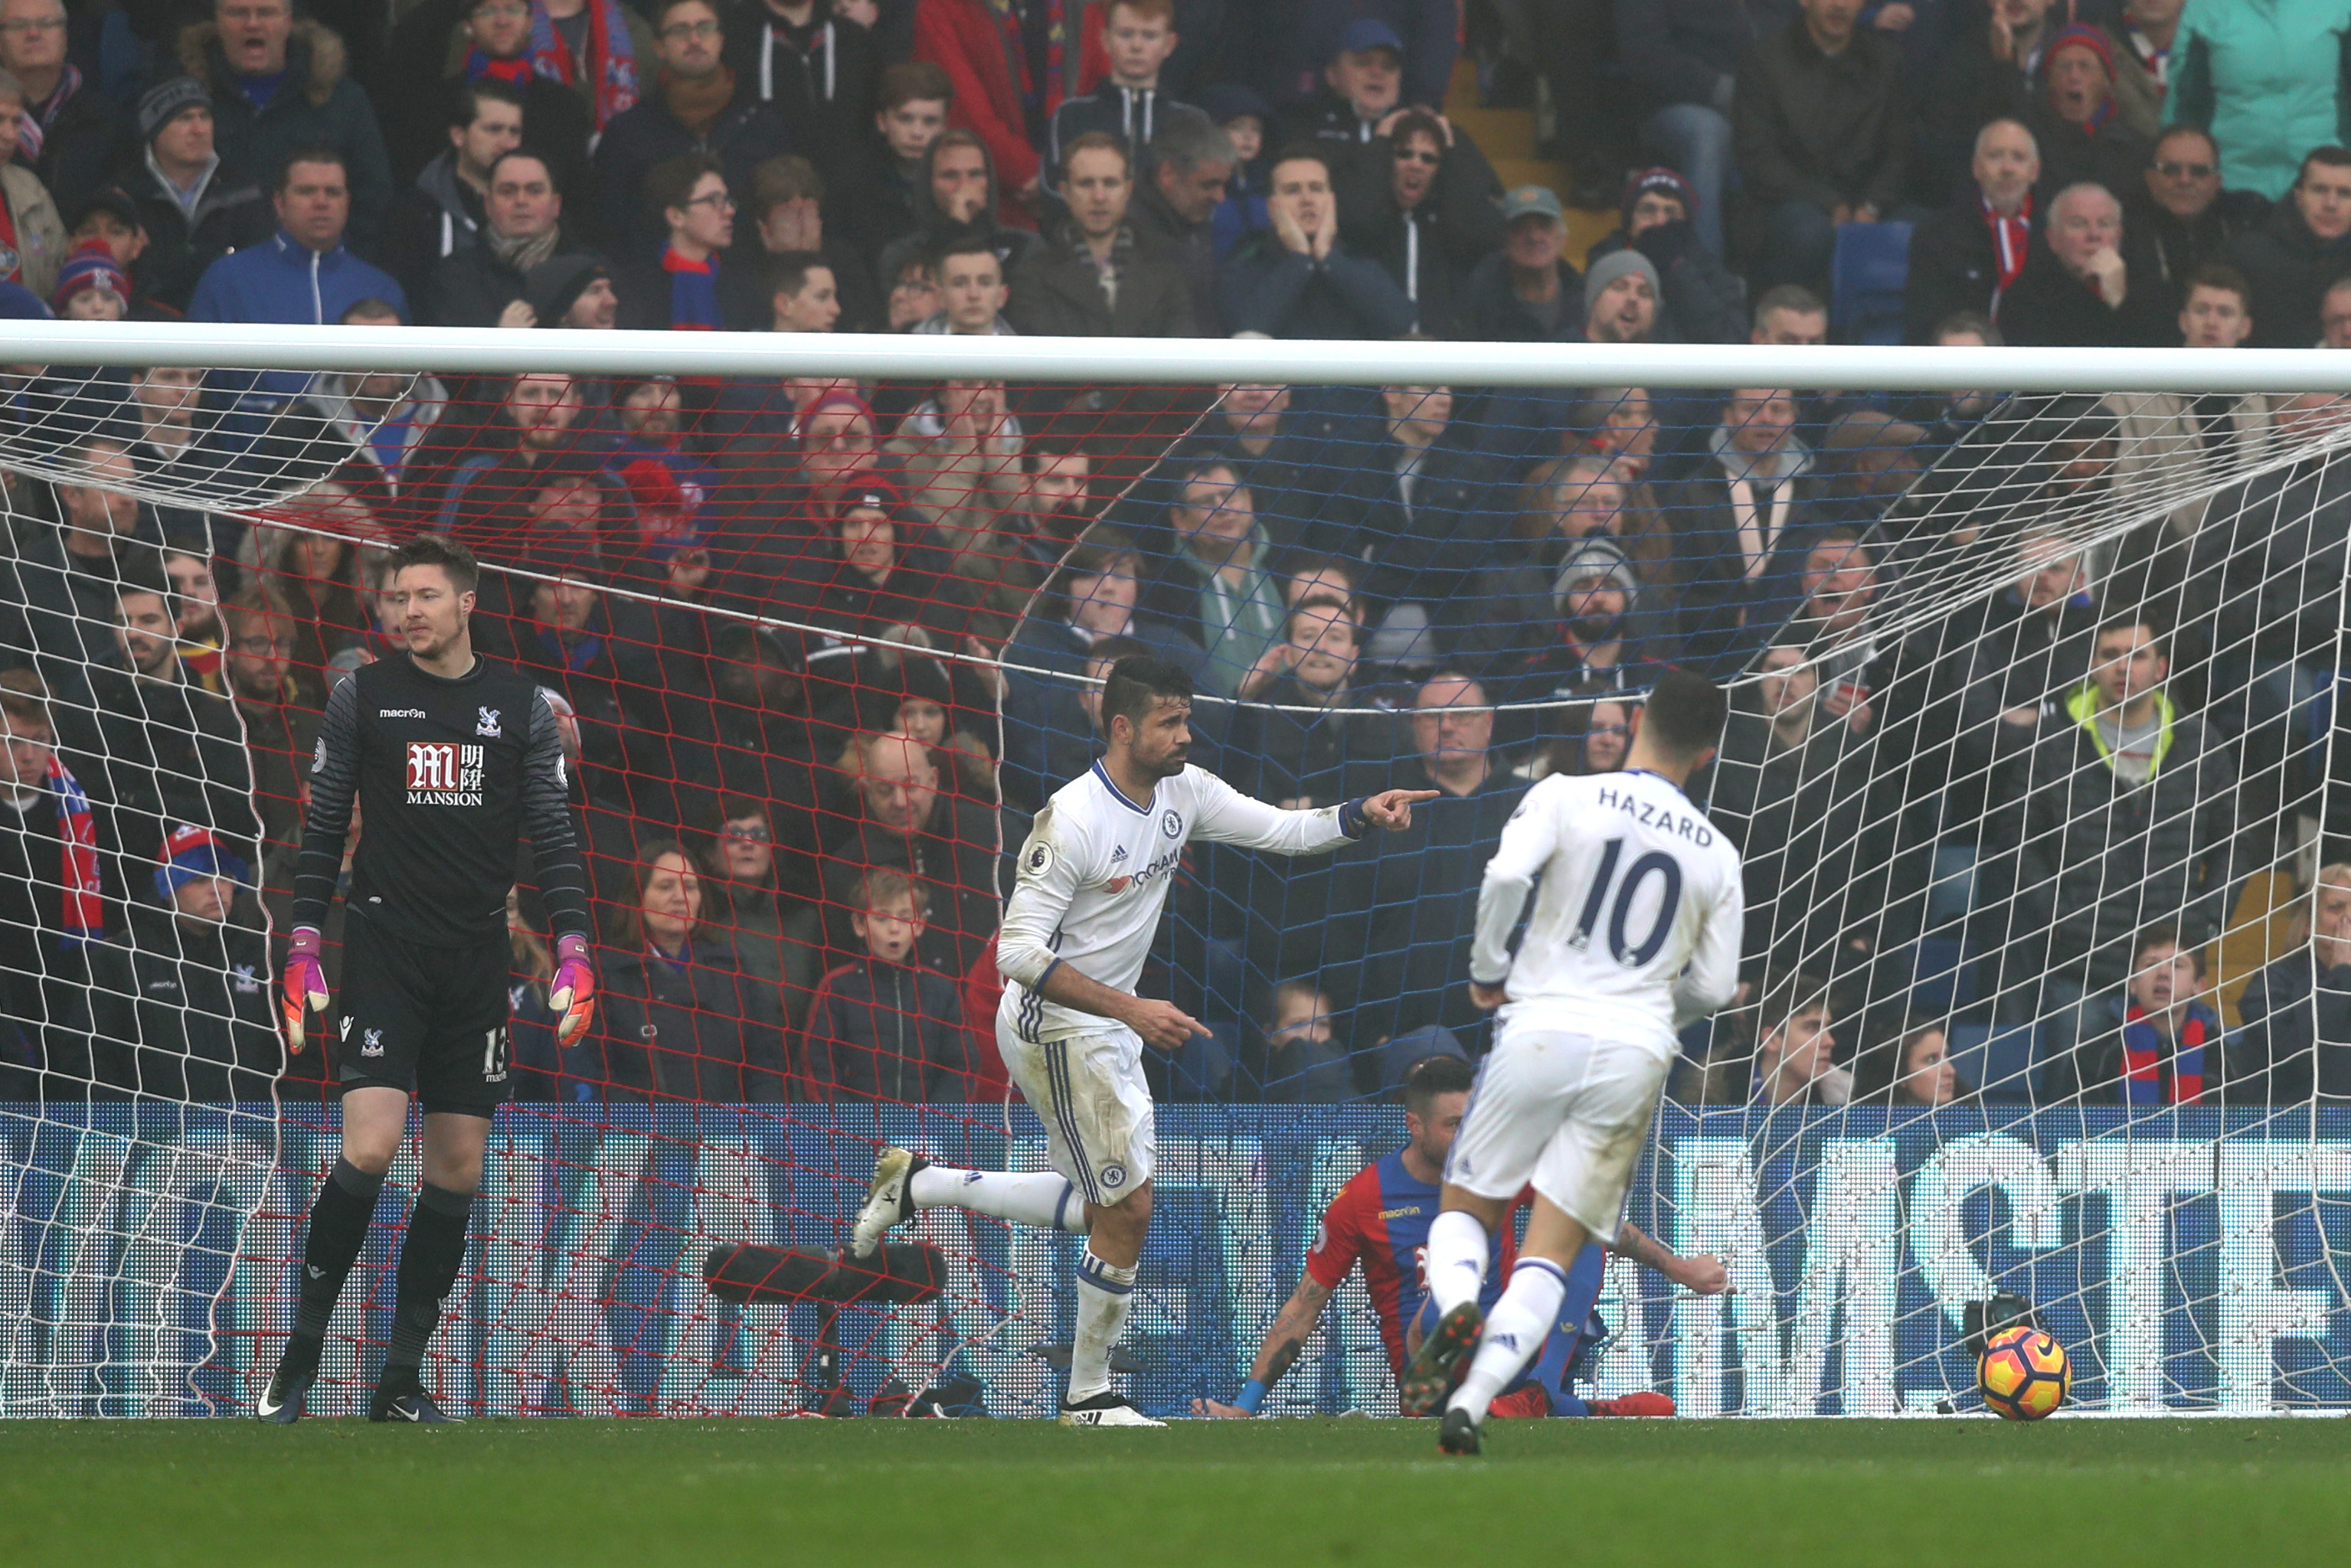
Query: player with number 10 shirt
[[454, 759]]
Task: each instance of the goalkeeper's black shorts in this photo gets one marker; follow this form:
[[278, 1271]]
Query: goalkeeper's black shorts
[[431, 1021]]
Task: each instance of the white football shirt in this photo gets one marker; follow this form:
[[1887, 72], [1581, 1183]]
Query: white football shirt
[[1094, 874], [1635, 932]]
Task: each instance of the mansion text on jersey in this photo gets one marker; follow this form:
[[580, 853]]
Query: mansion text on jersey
[[443, 773]]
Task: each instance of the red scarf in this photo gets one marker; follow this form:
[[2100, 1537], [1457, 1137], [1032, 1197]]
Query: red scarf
[[82, 913], [514, 72], [612, 57], [2144, 1083], [2010, 237]]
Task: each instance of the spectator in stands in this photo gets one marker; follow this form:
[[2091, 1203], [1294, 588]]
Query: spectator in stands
[[2267, 81], [168, 447], [383, 420], [883, 1027], [785, 210], [2335, 315], [1735, 518], [2168, 440], [910, 111], [207, 1027], [776, 933], [2077, 290], [1790, 317], [1699, 300], [1424, 904], [2304, 246], [1422, 202], [1595, 638], [1868, 461], [1247, 119], [806, 294], [500, 46], [303, 275], [1323, 754], [572, 291], [1923, 1074], [35, 233], [443, 213], [886, 577], [1986, 72], [965, 39], [751, 733], [678, 288], [539, 419], [1055, 506], [1301, 47], [1620, 299], [2296, 1041], [1298, 280], [1421, 510], [1129, 105], [1526, 292], [2141, 40], [907, 821], [1048, 735], [2179, 216], [2082, 136], [955, 201], [105, 536], [280, 726], [1969, 254], [1211, 574], [68, 134], [193, 208], [972, 292], [695, 106], [278, 87], [1304, 1061], [1361, 87], [196, 596], [1098, 281], [1682, 60], [173, 751], [488, 283], [814, 63], [2155, 1041], [1822, 136], [679, 1018], [2130, 818], [52, 909], [1795, 1064], [1188, 171], [91, 286]]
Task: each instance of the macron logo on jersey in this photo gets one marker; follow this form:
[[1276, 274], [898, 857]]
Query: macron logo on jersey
[[443, 773], [400, 712]]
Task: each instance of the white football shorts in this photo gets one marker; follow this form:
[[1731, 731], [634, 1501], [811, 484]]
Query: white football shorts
[[1566, 1111], [1090, 1092]]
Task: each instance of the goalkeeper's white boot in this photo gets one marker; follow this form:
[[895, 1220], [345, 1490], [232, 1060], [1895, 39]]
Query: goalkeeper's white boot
[[889, 1199], [281, 1403], [1104, 1409]]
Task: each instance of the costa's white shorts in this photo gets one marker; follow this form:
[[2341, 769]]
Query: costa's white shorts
[[1090, 1092], [1567, 1112]]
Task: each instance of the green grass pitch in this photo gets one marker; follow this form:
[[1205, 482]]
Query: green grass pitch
[[2213, 1493]]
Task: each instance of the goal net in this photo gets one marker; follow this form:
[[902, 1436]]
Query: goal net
[[2033, 761]]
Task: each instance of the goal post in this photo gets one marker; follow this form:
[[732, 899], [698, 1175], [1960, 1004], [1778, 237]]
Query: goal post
[[2035, 659]]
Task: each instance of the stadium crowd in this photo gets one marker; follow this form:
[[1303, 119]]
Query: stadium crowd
[[779, 620]]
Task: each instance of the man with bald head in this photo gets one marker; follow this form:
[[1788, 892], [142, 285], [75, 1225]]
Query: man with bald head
[[2077, 290], [1966, 256], [904, 815], [1425, 902]]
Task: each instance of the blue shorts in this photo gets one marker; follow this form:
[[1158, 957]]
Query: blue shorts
[[1578, 1329]]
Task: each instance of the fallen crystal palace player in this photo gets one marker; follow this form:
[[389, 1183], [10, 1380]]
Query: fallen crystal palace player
[[1091, 881], [1381, 1218], [1635, 934]]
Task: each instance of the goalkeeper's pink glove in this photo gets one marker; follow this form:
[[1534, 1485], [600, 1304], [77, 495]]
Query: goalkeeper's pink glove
[[573, 994], [306, 984]]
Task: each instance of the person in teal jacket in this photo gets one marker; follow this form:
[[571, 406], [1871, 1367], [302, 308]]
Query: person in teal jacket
[[2269, 78]]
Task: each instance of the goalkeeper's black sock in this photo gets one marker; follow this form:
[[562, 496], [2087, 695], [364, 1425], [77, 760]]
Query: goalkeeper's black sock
[[339, 1228], [429, 1261]]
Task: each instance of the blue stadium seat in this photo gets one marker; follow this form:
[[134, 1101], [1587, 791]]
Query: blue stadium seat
[[1944, 979], [1951, 890], [1873, 262], [1997, 1060]]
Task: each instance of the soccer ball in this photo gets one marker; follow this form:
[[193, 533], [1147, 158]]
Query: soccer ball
[[2023, 1374]]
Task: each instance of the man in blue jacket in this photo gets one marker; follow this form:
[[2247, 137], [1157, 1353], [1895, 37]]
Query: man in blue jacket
[[301, 276], [1295, 280]]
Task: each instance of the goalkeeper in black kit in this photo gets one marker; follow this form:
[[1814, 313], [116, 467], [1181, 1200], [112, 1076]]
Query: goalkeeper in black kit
[[455, 759]]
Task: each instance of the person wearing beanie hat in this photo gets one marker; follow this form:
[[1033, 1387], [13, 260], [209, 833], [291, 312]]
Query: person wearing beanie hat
[[193, 209], [1699, 298], [573, 290], [1620, 299], [2077, 121], [91, 286], [207, 1028]]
